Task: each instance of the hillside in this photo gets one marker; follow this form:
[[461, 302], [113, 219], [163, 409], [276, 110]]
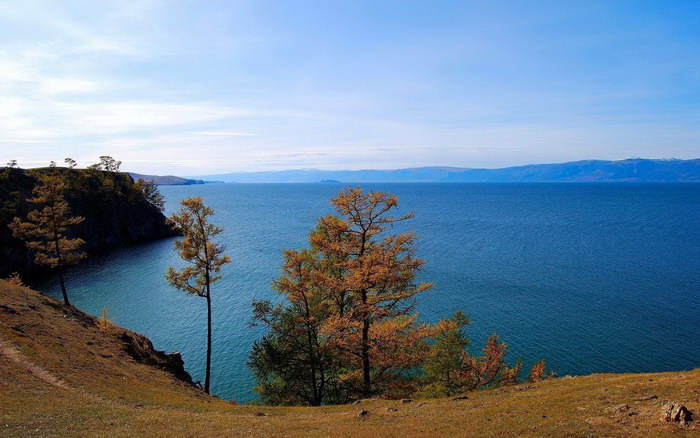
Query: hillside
[[629, 170], [63, 375], [115, 211]]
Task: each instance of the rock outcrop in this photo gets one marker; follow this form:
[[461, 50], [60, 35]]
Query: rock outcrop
[[141, 349], [675, 412]]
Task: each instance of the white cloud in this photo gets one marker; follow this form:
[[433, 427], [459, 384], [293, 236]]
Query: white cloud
[[225, 133], [178, 84]]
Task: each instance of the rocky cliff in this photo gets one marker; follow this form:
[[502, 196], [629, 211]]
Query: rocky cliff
[[115, 209]]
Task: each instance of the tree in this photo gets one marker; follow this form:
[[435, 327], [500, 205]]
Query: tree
[[46, 230], [109, 164], [151, 193], [70, 162], [15, 279], [538, 372], [205, 257], [445, 364], [371, 277], [450, 369], [491, 368], [11, 164], [293, 362]]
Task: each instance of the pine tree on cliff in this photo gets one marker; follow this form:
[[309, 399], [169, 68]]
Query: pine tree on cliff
[[46, 230], [205, 259]]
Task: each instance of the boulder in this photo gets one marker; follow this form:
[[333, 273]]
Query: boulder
[[675, 412]]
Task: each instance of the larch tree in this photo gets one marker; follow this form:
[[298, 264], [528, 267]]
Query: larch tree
[[491, 368], [45, 231], [109, 164], [444, 366], [205, 258], [150, 193], [293, 362], [371, 276]]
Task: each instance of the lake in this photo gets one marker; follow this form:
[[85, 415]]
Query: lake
[[590, 277]]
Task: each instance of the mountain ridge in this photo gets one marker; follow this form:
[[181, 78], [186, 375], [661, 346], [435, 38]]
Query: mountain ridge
[[166, 180], [627, 170]]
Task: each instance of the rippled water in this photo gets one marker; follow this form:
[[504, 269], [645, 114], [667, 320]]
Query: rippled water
[[590, 277]]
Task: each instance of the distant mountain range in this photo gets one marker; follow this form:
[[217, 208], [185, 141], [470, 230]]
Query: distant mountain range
[[167, 180], [628, 170]]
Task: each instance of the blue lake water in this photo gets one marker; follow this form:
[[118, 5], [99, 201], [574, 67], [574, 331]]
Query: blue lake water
[[590, 277]]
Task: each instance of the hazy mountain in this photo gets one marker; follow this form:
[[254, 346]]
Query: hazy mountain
[[629, 170], [167, 180]]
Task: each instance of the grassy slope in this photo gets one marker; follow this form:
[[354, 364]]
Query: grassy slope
[[60, 375]]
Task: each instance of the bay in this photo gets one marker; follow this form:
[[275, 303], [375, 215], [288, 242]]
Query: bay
[[590, 277]]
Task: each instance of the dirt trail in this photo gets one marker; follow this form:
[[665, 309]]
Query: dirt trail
[[16, 356]]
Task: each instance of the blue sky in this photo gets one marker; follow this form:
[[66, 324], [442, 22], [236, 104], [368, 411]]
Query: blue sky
[[195, 87]]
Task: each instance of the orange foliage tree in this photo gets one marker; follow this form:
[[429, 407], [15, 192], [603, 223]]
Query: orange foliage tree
[[205, 257], [47, 227], [348, 327], [293, 362]]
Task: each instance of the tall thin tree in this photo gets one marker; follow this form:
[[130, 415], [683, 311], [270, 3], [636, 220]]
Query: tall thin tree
[[205, 258], [46, 230]]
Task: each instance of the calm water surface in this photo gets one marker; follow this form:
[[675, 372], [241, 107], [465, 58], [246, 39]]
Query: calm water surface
[[590, 277]]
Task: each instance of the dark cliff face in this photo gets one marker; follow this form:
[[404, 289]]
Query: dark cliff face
[[115, 210], [141, 349]]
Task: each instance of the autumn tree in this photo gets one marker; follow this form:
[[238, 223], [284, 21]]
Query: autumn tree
[[293, 362], [46, 230], [15, 279], [450, 368], [491, 367], [205, 258], [372, 278], [538, 372]]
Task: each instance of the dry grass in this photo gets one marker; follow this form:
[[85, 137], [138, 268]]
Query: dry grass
[[60, 375]]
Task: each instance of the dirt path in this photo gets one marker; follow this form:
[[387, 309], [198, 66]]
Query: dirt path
[[16, 356]]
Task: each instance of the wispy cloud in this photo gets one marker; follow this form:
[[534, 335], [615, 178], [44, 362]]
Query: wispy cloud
[[14, 140], [203, 88], [225, 133]]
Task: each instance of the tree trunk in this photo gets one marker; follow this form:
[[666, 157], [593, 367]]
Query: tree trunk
[[60, 267], [365, 357], [207, 377], [63, 288]]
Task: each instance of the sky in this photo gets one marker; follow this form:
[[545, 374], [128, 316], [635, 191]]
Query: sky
[[203, 87]]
